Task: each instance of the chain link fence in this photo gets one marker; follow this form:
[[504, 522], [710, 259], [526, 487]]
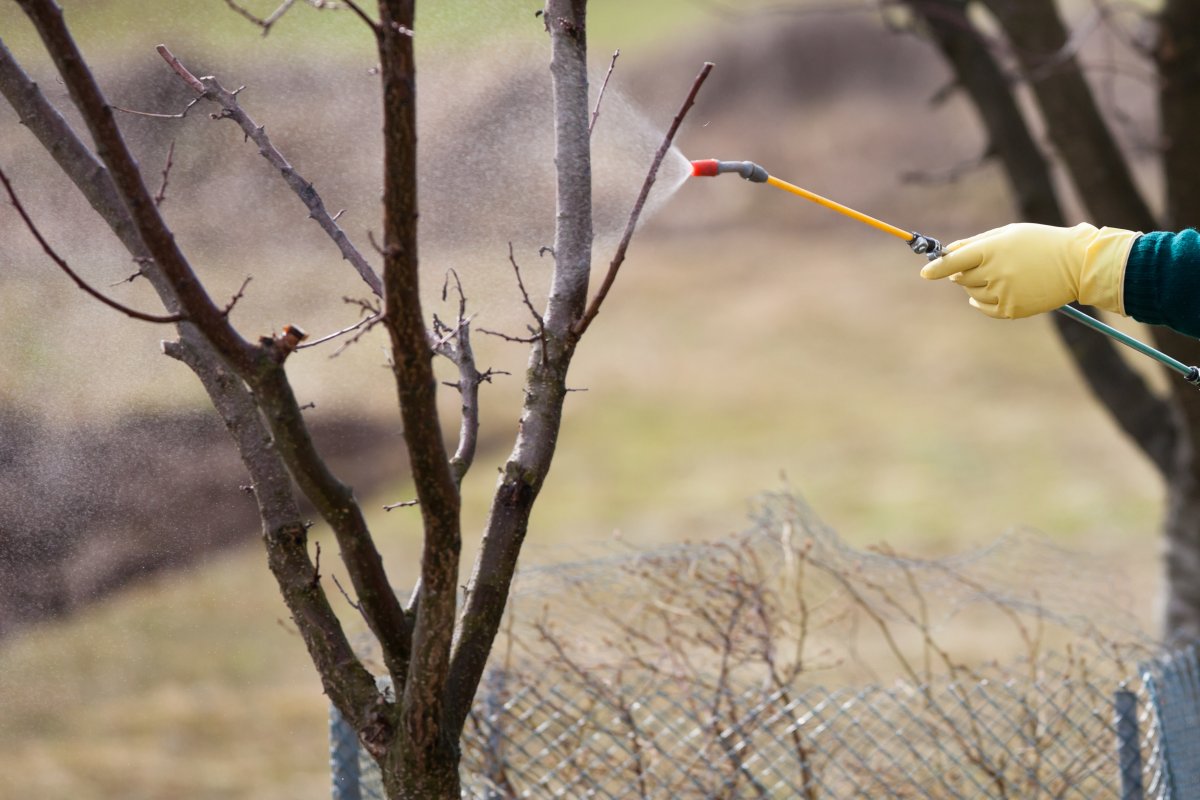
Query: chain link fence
[[1060, 733], [734, 669]]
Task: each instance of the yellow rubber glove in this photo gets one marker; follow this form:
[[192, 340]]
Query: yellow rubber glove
[[1024, 269]]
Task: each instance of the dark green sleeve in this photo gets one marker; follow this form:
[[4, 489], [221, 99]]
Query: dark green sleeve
[[1162, 280]]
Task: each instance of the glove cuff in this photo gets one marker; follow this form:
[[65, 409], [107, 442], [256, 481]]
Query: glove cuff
[[1103, 273]]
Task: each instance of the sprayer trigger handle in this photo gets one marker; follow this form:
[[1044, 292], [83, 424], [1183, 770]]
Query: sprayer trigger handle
[[926, 246]]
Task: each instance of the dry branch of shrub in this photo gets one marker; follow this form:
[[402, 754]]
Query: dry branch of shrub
[[728, 635]]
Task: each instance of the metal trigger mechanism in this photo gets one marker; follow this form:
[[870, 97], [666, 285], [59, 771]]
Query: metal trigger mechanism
[[926, 246]]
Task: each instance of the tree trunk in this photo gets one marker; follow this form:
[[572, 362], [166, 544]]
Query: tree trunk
[[426, 776], [1178, 59]]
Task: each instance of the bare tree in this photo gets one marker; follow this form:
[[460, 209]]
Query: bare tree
[[434, 650], [1044, 58]]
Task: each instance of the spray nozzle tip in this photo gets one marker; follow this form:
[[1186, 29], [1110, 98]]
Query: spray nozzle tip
[[747, 169]]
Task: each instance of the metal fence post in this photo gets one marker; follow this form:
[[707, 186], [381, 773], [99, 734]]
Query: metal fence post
[[1129, 751], [343, 758]]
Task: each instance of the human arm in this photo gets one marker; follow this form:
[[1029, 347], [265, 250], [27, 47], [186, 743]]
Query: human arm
[[1162, 280]]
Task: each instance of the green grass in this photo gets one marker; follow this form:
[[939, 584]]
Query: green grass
[[124, 28]]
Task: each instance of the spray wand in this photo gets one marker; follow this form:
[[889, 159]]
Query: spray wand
[[930, 248]]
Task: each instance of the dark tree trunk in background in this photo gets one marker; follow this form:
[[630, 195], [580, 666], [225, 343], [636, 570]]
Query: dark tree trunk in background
[[1178, 59], [1167, 429]]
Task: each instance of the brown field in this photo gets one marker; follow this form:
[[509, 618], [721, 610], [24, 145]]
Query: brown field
[[752, 341]]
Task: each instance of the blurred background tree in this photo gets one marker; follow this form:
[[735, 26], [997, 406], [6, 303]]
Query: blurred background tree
[[1036, 50]]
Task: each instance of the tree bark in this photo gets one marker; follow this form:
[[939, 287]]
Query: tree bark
[[1077, 128], [1177, 57]]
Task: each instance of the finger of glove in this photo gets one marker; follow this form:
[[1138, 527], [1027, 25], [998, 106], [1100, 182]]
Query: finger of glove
[[971, 279], [983, 295], [959, 244], [961, 259], [961, 255], [991, 309]]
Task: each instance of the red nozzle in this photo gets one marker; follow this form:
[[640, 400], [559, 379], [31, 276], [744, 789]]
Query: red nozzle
[[707, 167]]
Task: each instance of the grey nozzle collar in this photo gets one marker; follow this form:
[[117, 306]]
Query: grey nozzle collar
[[926, 246], [747, 169]]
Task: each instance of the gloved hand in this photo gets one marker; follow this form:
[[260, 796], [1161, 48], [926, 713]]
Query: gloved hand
[[1024, 269]]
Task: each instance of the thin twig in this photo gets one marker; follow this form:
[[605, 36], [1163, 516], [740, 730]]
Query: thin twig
[[402, 504], [439, 343], [270, 20], [213, 91], [180, 70], [581, 326], [161, 194], [356, 606], [139, 274], [367, 322], [320, 5], [372, 24], [154, 115], [600, 95], [238, 295], [315, 580], [541, 322], [508, 338], [80, 282], [521, 285]]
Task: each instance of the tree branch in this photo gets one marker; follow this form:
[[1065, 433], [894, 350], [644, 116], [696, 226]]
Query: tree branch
[[269, 21], [181, 115], [98, 116], [372, 24], [545, 384], [1176, 54], [362, 326], [80, 282], [540, 330], [455, 346], [349, 686], [260, 366], [600, 95], [161, 194], [619, 258], [423, 687], [1075, 124], [565, 20], [211, 90], [91, 177], [347, 683]]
